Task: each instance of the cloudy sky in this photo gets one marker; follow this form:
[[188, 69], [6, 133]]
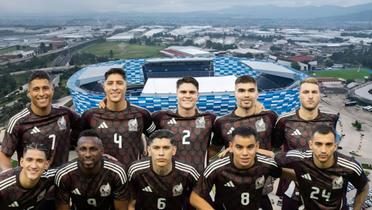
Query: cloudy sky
[[81, 6]]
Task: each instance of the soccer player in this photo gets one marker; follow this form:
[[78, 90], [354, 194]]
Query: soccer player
[[26, 186], [92, 182], [41, 122], [323, 174], [238, 179], [120, 125], [161, 182], [294, 130], [191, 127]]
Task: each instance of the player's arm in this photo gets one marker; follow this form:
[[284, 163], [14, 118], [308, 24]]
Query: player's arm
[[5, 162], [199, 203], [120, 205], [278, 134], [60, 206], [361, 197], [217, 141]]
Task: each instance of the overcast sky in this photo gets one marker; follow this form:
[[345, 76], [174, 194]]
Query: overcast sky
[[81, 6]]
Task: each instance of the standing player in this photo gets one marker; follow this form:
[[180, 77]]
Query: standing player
[[192, 128], [294, 130], [41, 122], [247, 114], [91, 182], [323, 174], [238, 179], [160, 182], [25, 187], [120, 124]]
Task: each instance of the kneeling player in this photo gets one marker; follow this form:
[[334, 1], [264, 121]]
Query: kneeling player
[[160, 182], [323, 174], [92, 181], [25, 187], [238, 179]]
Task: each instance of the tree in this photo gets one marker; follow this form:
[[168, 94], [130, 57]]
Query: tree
[[328, 62], [357, 125], [295, 65], [111, 54]]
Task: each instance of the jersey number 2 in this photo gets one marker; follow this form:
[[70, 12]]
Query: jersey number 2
[[315, 192], [185, 137]]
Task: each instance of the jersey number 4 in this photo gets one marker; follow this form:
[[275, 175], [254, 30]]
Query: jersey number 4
[[118, 139], [315, 193]]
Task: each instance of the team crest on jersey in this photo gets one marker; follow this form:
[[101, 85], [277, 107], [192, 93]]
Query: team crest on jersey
[[200, 122], [337, 183], [177, 190], [260, 125], [61, 123], [133, 125], [105, 190], [260, 182], [41, 196]]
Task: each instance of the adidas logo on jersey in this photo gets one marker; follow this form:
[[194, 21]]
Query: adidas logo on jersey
[[103, 125], [35, 130], [172, 121], [296, 133], [306, 176], [147, 189], [230, 131], [14, 204], [229, 184], [76, 191]]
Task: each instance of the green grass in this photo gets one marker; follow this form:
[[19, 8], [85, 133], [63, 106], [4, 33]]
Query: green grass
[[22, 79], [344, 74], [123, 50], [7, 50]]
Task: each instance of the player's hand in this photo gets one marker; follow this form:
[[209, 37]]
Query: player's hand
[[110, 157], [223, 153], [258, 107], [102, 104]]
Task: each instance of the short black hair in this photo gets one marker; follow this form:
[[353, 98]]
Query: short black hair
[[244, 132], [90, 133], [191, 80], [37, 146], [245, 79], [324, 129], [39, 75], [162, 133], [119, 71]]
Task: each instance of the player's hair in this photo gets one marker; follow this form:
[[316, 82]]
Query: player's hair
[[160, 134], [119, 71], [324, 129], [244, 132], [191, 80], [39, 75], [310, 80], [245, 79], [37, 146], [90, 133]]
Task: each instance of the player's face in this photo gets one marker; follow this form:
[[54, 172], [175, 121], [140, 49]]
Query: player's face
[[323, 146], [115, 87], [40, 92], [34, 163], [246, 95], [187, 95], [89, 152], [161, 151], [309, 96], [244, 151]]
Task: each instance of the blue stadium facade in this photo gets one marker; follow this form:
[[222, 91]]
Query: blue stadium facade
[[280, 100]]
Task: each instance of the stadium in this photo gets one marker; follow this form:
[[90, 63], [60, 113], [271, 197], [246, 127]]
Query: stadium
[[152, 83]]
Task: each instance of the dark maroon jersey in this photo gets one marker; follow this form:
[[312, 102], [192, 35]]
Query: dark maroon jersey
[[169, 192], [96, 192], [236, 188], [294, 132], [14, 197], [192, 135], [263, 123], [323, 188], [120, 132], [57, 130]]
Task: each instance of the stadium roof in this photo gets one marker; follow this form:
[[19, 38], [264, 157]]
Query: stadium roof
[[187, 51], [95, 73], [159, 60], [270, 68], [364, 91], [167, 86]]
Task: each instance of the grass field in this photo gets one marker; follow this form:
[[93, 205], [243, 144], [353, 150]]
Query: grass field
[[7, 50], [122, 50], [344, 73]]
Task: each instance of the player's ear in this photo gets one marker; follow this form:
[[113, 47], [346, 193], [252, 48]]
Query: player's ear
[[21, 162], [47, 164], [230, 144], [149, 151], [174, 150], [310, 144]]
